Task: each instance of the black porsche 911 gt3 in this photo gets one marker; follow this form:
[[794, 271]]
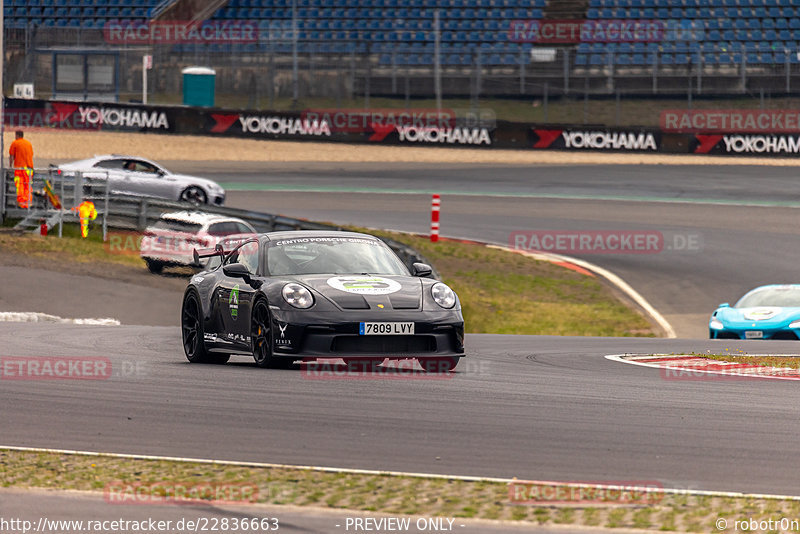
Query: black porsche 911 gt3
[[287, 296]]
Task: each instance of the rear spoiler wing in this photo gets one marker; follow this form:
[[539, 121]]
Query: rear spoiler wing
[[207, 253], [219, 250]]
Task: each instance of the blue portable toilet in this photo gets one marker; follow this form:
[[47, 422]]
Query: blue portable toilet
[[198, 86]]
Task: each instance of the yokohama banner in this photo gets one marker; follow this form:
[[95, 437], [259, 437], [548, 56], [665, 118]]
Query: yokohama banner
[[409, 127], [593, 138]]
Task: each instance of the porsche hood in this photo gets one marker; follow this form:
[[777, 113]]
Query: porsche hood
[[362, 292]]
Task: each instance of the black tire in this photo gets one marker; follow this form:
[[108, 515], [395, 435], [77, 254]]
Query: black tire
[[194, 195], [192, 330], [444, 364], [261, 337], [154, 266]]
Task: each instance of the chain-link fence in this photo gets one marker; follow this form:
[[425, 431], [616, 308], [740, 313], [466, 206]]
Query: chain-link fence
[[620, 83]]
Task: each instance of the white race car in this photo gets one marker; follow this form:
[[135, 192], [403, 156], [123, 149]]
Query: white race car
[[139, 176], [173, 238]]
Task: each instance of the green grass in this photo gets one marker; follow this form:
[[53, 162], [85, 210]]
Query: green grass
[[71, 247], [391, 494], [507, 293]]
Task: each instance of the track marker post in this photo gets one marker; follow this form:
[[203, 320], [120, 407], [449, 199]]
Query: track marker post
[[436, 204]]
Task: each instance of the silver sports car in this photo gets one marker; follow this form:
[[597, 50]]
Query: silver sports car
[[139, 176]]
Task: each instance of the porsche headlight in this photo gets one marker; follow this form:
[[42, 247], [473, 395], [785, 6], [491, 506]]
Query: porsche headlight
[[716, 324], [794, 324], [443, 295], [297, 295]]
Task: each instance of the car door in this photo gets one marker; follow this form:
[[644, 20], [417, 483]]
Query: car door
[[144, 178], [111, 169], [235, 295]]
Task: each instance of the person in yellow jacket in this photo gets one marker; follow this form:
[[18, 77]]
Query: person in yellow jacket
[[86, 212]]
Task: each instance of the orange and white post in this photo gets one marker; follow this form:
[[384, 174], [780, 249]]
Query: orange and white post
[[436, 204]]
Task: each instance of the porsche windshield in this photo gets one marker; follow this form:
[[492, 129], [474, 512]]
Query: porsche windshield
[[784, 296], [332, 255]]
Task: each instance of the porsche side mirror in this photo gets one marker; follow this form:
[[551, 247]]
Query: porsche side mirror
[[236, 270], [421, 270], [724, 305]]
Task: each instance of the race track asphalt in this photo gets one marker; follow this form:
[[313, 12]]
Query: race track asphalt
[[546, 408]]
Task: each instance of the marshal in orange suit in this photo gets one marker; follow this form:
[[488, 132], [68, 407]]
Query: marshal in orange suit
[[20, 158]]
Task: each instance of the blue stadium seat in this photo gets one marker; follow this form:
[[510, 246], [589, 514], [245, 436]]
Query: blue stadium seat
[[581, 60]]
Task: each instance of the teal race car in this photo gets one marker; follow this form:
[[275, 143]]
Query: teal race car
[[766, 312]]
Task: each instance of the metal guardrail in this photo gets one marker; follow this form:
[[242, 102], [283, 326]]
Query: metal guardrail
[[70, 189], [132, 212]]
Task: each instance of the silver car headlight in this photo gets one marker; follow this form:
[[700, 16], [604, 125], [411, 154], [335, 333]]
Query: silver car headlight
[[716, 324], [794, 324], [443, 295], [297, 295]]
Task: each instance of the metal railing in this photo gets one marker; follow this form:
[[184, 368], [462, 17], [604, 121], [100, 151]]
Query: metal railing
[[70, 189]]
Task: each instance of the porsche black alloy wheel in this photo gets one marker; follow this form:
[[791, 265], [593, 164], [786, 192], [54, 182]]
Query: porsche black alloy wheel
[[192, 333], [261, 336]]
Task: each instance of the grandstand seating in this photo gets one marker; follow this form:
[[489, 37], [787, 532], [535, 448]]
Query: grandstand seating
[[399, 32]]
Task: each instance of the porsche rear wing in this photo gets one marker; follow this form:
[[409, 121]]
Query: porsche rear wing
[[232, 242], [207, 253]]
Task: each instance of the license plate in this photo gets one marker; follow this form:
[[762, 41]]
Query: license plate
[[385, 329], [753, 334]]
